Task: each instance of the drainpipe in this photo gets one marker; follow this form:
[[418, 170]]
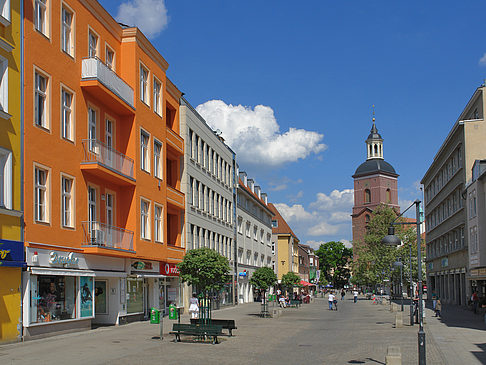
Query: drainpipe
[[235, 223], [22, 225]]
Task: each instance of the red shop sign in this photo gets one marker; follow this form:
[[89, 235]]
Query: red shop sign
[[169, 269]]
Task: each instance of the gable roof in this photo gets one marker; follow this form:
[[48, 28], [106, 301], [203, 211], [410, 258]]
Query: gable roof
[[282, 226]]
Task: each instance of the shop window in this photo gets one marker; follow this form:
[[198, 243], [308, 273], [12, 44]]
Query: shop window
[[134, 295], [53, 298], [101, 302]]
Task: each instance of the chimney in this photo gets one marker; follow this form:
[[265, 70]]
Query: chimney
[[265, 198], [258, 191], [251, 185], [243, 177]]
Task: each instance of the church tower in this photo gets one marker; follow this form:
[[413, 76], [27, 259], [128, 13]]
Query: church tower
[[375, 182]]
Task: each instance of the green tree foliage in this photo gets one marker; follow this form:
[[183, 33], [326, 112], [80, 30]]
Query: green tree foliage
[[204, 269], [374, 261], [263, 278], [290, 280], [334, 258]]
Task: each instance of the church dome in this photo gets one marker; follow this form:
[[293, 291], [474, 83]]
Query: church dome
[[374, 166]]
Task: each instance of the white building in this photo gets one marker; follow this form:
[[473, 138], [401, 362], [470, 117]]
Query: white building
[[254, 237], [208, 182]]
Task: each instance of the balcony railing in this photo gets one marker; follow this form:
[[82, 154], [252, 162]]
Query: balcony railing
[[96, 151], [93, 68], [102, 235]]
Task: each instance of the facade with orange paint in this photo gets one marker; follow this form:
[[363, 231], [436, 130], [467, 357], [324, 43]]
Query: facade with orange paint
[[104, 209]]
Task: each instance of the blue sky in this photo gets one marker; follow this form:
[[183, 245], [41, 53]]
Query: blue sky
[[291, 84]]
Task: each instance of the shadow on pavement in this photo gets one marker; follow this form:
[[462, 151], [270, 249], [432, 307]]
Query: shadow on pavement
[[480, 355]]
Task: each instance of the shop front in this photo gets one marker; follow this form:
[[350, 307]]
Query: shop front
[[11, 263], [58, 292], [142, 289], [170, 288]]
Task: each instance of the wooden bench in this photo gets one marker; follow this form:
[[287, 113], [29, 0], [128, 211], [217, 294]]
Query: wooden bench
[[213, 331], [228, 324]]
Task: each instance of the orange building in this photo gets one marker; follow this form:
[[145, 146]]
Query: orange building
[[103, 151]]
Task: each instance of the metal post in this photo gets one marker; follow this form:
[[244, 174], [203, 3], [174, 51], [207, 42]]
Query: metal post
[[421, 333], [401, 285], [161, 316], [411, 286]]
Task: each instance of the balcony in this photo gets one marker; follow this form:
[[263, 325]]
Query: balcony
[[103, 83], [102, 238], [175, 197], [176, 141], [107, 163]]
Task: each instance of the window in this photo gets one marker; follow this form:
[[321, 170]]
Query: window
[[248, 229], [157, 159], [144, 151], [4, 85], [67, 41], [5, 12], [92, 129], [144, 84], [92, 45], [92, 208], [110, 58], [240, 225], [157, 97], [40, 12], [367, 196], [66, 117], [274, 223], [5, 178], [255, 233], [67, 201], [388, 195], [40, 116], [158, 223], [144, 219], [41, 197]]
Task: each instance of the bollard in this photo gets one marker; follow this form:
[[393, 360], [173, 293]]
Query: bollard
[[161, 326], [398, 320], [393, 356]]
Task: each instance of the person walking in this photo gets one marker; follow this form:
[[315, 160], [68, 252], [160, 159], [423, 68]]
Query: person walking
[[438, 307], [475, 301], [194, 306], [355, 295], [343, 293], [330, 299]]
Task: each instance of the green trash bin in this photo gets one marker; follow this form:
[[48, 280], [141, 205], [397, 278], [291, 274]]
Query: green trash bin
[[154, 316], [172, 312]]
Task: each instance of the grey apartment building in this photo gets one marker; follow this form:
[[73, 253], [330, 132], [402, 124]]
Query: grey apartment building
[[447, 259]]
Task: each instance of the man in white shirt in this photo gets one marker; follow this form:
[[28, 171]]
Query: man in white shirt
[[330, 298], [355, 295]]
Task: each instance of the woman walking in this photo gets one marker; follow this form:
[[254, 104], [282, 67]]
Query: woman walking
[[194, 306]]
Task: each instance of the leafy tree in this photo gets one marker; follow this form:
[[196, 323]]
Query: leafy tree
[[334, 260], [204, 269], [263, 278], [290, 280], [323, 281]]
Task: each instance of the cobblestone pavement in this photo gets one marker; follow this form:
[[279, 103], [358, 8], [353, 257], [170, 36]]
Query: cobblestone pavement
[[355, 334]]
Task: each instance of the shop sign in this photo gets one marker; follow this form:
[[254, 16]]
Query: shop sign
[[169, 269], [57, 259], [11, 253], [142, 265], [244, 273]]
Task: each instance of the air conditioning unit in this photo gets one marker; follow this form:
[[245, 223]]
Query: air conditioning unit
[[97, 237]]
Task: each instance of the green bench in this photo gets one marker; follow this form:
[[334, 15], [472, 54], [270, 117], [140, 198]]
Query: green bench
[[228, 324], [295, 303], [213, 331]]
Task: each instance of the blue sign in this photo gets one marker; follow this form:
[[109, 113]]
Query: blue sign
[[242, 273], [12, 253]]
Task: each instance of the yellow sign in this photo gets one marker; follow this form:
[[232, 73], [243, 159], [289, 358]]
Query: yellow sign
[[3, 254]]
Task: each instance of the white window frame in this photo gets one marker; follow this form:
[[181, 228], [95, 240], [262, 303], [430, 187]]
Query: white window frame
[[158, 165], [41, 210], [158, 101], [41, 93], [67, 30], [144, 151], [144, 219], [158, 223], [4, 88], [5, 12], [144, 74], [5, 178], [111, 64], [93, 129], [67, 114], [67, 201], [93, 51], [41, 16]]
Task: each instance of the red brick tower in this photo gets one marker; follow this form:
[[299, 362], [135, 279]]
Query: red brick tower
[[375, 182]]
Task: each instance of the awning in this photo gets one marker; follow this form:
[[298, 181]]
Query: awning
[[111, 274], [151, 276], [60, 272], [305, 283]]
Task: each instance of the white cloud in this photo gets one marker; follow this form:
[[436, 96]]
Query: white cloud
[[150, 16], [278, 187], [347, 243], [339, 217], [482, 60], [342, 200], [322, 229], [293, 213], [255, 135]]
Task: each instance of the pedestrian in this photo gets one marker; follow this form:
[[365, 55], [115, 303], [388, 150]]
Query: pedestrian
[[330, 299], [194, 306], [434, 301], [438, 307], [475, 301], [355, 295], [343, 293]]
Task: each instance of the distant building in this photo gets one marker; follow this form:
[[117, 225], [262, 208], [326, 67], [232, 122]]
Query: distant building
[[445, 216], [375, 183], [304, 261]]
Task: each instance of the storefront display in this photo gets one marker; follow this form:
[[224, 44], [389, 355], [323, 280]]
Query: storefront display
[[86, 285], [100, 297], [134, 295], [53, 298]]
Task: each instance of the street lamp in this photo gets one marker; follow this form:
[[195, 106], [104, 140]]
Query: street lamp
[[392, 240], [399, 264]]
